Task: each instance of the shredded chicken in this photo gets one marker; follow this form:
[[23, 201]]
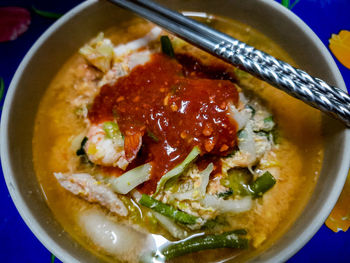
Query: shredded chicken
[[85, 186]]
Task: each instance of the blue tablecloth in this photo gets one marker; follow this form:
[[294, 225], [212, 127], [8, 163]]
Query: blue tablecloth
[[18, 244]]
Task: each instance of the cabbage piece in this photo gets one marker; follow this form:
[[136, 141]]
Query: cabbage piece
[[136, 44], [99, 52], [129, 180], [225, 206], [170, 226], [200, 191], [269, 124], [240, 117], [179, 169], [246, 142]]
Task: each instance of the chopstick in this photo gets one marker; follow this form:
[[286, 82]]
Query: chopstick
[[293, 81], [260, 56]]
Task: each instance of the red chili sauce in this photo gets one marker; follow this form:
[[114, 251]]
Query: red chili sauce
[[174, 104]]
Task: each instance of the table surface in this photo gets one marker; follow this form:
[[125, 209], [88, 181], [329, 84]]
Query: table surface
[[18, 244]]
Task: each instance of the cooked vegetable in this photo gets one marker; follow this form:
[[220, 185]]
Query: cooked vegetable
[[179, 169], [168, 210], [246, 143], [268, 124], [175, 230], [238, 181], [226, 206], [251, 109], [129, 180], [198, 192], [99, 52], [81, 150], [225, 194], [112, 130], [262, 184], [167, 47], [230, 239], [240, 117]]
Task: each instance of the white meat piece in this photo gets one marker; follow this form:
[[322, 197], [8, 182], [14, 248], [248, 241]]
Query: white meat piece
[[85, 186]]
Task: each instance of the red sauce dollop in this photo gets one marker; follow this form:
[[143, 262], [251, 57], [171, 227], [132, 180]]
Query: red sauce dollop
[[175, 106]]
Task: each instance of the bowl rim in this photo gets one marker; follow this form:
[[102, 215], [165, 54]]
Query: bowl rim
[[281, 256]]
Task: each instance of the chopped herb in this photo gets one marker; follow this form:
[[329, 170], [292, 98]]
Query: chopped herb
[[268, 119], [81, 150], [262, 133], [231, 153], [112, 130], [53, 257], [268, 124], [218, 221], [252, 109], [242, 134], [226, 194], [46, 14], [152, 136], [167, 48]]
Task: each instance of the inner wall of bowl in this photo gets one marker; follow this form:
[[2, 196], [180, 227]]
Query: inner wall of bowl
[[98, 15]]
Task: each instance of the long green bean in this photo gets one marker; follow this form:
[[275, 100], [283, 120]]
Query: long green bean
[[167, 47], [262, 184], [230, 239], [168, 211]]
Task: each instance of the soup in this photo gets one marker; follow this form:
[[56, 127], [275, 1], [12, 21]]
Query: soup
[[147, 148]]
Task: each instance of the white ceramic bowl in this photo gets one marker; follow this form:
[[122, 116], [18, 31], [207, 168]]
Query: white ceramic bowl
[[75, 28]]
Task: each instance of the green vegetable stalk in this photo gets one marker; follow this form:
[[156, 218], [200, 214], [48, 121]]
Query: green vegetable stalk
[[179, 169], [167, 210], [262, 184], [238, 182], [230, 239], [167, 47], [132, 178], [112, 130]]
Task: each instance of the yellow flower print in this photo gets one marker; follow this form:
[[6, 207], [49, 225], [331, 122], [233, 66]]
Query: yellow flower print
[[339, 219], [340, 47]]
